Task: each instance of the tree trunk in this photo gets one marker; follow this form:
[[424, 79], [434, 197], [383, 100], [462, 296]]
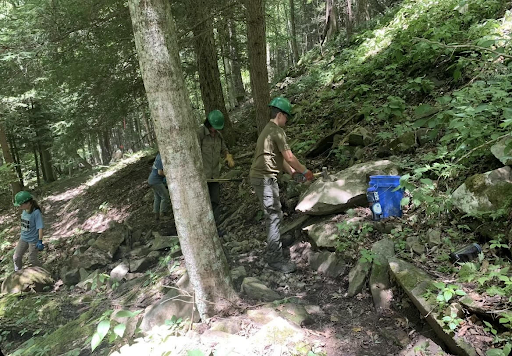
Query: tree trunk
[[106, 152], [16, 159], [157, 46], [331, 20], [15, 185], [350, 19], [256, 43], [207, 62], [36, 159], [295, 47], [235, 63]]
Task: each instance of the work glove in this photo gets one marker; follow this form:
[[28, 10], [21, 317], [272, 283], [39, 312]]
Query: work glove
[[229, 159], [164, 181], [309, 175], [298, 177], [40, 245]]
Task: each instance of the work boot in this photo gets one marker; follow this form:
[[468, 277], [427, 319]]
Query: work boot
[[157, 216], [283, 266]]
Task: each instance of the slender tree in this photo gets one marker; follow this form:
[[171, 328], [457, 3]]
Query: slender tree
[[295, 47], [256, 45], [15, 186], [157, 46]]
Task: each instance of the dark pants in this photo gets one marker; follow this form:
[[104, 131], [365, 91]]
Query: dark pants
[[267, 191], [161, 201], [214, 190]]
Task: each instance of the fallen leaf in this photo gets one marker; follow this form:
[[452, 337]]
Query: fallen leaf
[[334, 318]]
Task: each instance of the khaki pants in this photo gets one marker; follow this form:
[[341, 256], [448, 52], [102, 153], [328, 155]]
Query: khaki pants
[[21, 248]]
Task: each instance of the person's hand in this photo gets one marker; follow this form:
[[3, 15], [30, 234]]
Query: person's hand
[[298, 177], [40, 245], [309, 175], [229, 159]]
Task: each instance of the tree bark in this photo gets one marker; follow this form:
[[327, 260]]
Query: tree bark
[[235, 63], [157, 46], [295, 47], [15, 185], [106, 152], [331, 20], [256, 43], [207, 61]]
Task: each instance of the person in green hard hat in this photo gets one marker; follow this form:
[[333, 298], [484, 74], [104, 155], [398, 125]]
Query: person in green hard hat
[[213, 148], [272, 156], [31, 236]]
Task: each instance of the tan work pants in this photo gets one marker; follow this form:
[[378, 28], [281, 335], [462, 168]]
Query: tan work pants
[[21, 248]]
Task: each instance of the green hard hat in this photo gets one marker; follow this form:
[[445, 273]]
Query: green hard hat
[[282, 104], [22, 197], [216, 119]]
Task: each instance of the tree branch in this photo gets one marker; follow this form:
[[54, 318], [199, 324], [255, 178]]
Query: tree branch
[[465, 46]]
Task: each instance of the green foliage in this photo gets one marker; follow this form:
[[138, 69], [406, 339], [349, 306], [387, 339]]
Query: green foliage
[[451, 321], [505, 351], [447, 291], [104, 327], [352, 235]]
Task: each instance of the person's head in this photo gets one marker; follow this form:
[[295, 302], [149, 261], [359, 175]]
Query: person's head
[[280, 110], [25, 201], [215, 120]]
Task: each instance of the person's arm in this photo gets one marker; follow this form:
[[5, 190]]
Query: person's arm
[[291, 162], [40, 233]]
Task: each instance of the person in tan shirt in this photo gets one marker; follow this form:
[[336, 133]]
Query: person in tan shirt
[[272, 156], [213, 148]]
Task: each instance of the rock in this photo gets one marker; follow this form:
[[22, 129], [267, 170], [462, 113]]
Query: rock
[[359, 137], [414, 243], [403, 144], [237, 276], [172, 304], [415, 283], [110, 240], [27, 279], [255, 289], [93, 281], [380, 285], [434, 237], [92, 258], [295, 313], [500, 151], [120, 271], [262, 316], [277, 333], [231, 325], [163, 242], [357, 277], [327, 263], [70, 277], [140, 251], [143, 264], [324, 233], [347, 189], [485, 192], [224, 343], [294, 224]]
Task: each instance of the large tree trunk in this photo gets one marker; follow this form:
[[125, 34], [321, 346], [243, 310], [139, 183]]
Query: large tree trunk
[[106, 152], [15, 185], [256, 43], [295, 47], [157, 46], [207, 62]]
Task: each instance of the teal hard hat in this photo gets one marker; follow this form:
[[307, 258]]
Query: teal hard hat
[[22, 197], [216, 119], [282, 104]]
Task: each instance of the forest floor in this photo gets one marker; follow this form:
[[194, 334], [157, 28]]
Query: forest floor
[[342, 325]]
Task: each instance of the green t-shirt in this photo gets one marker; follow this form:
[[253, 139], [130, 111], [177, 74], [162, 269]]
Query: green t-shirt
[[268, 157]]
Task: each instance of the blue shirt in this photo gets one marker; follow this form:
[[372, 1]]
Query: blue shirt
[[154, 177], [30, 224]]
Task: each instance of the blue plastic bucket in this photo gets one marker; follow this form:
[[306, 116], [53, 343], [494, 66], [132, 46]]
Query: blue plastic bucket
[[389, 198]]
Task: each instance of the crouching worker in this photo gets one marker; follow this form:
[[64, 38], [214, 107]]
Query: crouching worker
[[31, 237], [156, 180], [272, 156]]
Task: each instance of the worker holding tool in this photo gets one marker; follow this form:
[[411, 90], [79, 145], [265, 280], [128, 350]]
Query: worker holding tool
[[213, 147], [272, 156]]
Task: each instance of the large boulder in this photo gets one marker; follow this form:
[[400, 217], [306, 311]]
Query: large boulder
[[27, 279], [500, 151], [110, 240], [485, 192], [343, 190]]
